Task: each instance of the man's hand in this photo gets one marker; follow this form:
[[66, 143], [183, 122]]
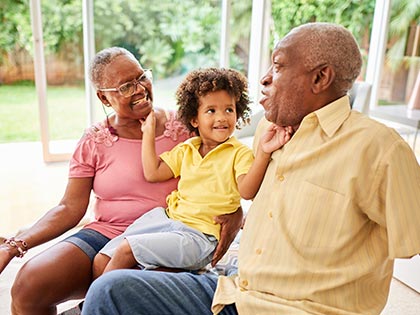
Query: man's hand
[[230, 226]]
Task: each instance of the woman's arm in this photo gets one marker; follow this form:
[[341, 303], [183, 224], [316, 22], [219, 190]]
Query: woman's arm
[[154, 169], [230, 224], [56, 221]]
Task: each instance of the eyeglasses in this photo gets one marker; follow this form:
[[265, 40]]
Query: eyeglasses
[[129, 88]]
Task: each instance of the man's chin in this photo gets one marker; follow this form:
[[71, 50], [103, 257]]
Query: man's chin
[[268, 116]]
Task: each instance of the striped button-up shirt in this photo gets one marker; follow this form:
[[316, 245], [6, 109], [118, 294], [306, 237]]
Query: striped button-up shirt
[[338, 203]]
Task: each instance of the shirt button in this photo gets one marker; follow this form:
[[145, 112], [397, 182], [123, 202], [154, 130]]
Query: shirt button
[[244, 283], [280, 177], [258, 251], [270, 214]]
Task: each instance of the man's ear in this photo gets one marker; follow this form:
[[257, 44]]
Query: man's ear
[[323, 78]]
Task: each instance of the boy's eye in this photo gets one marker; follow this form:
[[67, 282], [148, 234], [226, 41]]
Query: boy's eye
[[229, 110], [210, 111]]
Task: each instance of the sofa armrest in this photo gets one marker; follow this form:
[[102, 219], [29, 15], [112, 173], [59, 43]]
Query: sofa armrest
[[249, 130]]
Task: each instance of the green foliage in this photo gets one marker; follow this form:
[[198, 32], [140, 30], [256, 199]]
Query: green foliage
[[162, 35], [355, 15], [175, 36], [15, 27], [62, 24], [172, 36]]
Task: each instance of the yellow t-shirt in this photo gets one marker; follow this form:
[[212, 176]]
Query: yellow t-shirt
[[207, 185], [338, 203]]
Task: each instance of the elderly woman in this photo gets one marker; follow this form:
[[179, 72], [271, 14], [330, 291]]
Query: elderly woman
[[107, 162]]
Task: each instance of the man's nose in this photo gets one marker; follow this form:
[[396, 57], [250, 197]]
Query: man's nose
[[266, 78]]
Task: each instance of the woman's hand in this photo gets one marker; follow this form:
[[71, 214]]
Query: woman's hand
[[6, 255], [230, 226]]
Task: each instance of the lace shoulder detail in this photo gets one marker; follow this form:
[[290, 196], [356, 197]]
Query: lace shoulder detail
[[174, 128], [99, 133]]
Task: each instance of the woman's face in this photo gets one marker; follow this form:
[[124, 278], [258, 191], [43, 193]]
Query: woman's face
[[121, 70]]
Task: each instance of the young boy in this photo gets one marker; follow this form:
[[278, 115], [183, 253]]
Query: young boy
[[215, 171]]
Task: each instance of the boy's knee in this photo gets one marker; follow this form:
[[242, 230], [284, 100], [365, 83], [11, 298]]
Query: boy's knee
[[99, 263]]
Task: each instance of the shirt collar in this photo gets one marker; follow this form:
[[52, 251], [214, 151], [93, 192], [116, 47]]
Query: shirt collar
[[196, 142], [333, 115]]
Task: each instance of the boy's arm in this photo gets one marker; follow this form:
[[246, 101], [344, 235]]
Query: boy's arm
[[154, 169], [274, 138]]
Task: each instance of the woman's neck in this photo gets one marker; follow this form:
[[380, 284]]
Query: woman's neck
[[131, 128]]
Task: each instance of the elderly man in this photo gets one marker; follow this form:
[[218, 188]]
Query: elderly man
[[338, 203]]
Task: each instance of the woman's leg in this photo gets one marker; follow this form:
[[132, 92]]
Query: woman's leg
[[138, 292], [60, 273]]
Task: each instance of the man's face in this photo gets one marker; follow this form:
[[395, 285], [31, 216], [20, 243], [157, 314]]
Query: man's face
[[286, 85]]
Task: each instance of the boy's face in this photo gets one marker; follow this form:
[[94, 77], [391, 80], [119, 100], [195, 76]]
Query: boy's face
[[216, 117]]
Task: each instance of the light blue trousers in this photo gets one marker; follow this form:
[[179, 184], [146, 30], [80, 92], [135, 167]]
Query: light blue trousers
[[139, 292]]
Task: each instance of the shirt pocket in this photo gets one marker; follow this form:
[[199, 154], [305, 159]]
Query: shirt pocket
[[316, 217]]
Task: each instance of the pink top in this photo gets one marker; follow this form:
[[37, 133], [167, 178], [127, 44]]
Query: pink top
[[121, 192]]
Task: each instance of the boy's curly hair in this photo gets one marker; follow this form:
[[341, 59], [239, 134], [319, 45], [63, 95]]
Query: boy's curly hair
[[199, 83]]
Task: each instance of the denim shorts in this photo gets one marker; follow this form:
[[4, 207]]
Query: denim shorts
[[89, 241]]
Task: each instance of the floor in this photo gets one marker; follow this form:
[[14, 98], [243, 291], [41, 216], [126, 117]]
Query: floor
[[29, 187]]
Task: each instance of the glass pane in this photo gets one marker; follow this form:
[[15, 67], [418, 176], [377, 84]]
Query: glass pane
[[63, 48], [240, 27], [356, 16], [171, 37], [18, 107], [399, 89], [402, 63]]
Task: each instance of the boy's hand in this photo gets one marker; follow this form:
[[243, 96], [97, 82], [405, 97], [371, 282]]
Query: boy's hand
[[275, 137], [149, 124]]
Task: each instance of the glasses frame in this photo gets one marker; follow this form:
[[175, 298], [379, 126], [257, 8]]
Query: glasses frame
[[147, 74]]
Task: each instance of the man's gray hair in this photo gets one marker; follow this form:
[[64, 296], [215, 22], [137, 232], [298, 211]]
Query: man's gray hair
[[332, 44]]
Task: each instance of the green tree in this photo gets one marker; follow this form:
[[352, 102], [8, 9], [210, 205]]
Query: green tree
[[168, 36], [15, 27], [355, 15], [62, 25]]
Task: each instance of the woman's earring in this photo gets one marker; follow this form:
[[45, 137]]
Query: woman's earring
[[111, 129]]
